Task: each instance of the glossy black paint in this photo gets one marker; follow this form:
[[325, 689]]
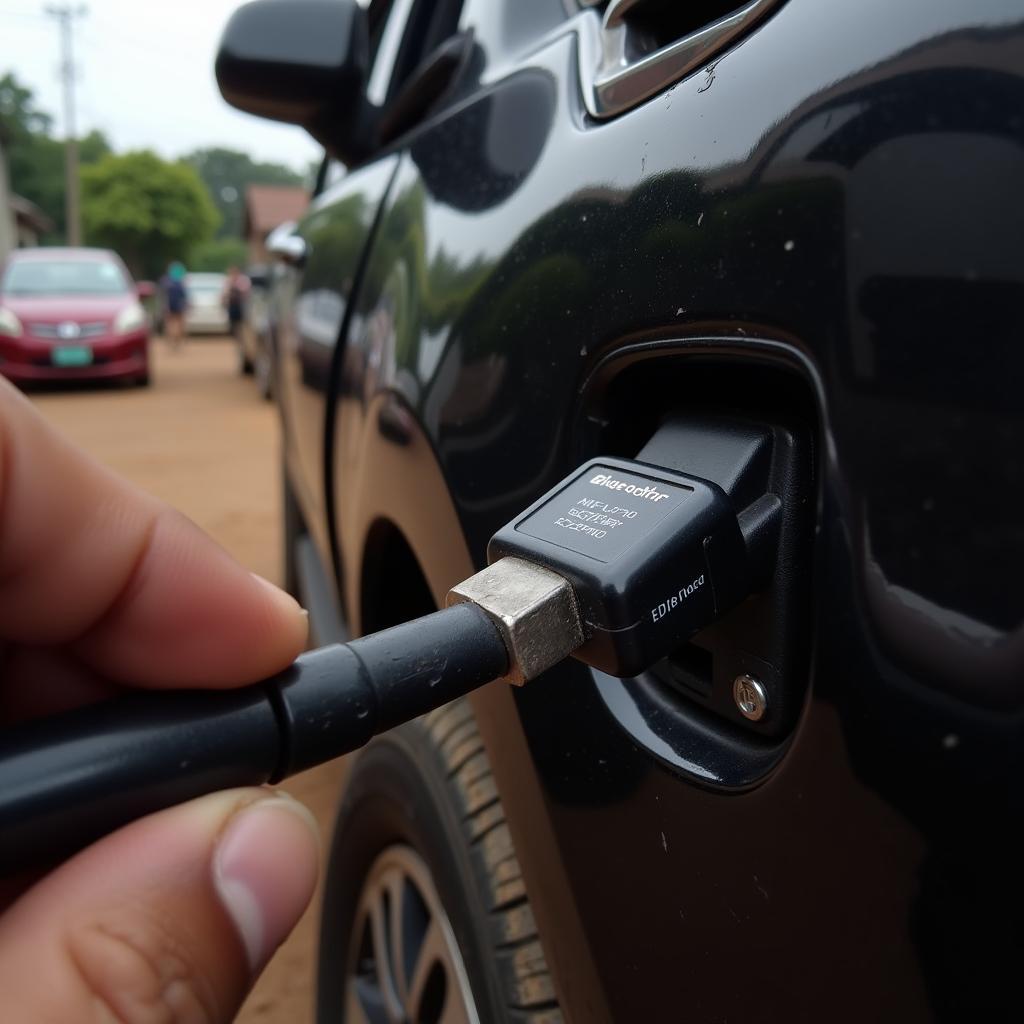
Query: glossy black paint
[[827, 220]]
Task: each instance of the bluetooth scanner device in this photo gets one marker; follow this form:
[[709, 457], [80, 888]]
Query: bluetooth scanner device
[[653, 556], [617, 565]]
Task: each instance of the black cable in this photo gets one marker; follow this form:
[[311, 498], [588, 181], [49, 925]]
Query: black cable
[[68, 779]]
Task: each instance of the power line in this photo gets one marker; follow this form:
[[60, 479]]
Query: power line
[[65, 16]]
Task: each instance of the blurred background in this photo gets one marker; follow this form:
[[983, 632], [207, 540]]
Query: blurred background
[[133, 86], [113, 135]]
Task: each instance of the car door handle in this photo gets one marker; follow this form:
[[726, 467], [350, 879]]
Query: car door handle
[[291, 249], [646, 45]]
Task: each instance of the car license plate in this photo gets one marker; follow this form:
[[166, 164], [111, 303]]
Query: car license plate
[[71, 355]]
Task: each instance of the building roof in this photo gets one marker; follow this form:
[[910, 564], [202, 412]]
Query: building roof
[[266, 206], [29, 214]]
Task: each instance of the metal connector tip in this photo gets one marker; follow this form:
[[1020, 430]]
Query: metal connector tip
[[534, 609]]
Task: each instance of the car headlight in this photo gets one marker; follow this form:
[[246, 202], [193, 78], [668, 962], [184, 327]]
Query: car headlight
[[131, 318], [9, 323]]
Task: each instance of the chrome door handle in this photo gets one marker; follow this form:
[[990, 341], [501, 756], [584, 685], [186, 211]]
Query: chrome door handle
[[288, 248], [632, 63]]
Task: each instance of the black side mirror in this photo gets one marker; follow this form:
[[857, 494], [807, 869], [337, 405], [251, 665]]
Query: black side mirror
[[304, 62]]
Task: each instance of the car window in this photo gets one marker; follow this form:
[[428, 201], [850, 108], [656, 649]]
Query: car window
[[402, 33], [64, 277], [413, 29], [204, 283], [386, 51]]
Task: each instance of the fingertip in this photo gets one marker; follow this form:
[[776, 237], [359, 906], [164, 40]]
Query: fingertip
[[288, 615], [194, 617], [265, 870]]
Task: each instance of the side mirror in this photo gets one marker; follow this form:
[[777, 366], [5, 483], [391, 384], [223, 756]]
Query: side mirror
[[304, 62], [145, 289]]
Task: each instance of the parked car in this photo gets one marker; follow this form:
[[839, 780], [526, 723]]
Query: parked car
[[256, 353], [206, 313], [551, 230], [71, 313], [254, 338]]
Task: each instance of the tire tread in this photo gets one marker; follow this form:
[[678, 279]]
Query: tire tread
[[526, 979]]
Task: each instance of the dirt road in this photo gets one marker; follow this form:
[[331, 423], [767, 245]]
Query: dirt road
[[203, 440]]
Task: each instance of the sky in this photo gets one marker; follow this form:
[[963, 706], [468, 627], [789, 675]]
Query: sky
[[144, 77]]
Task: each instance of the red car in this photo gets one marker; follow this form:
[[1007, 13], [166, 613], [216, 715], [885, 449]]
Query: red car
[[71, 314]]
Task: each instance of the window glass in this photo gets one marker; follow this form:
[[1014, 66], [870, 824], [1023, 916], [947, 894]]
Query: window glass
[[64, 277], [387, 51], [402, 33]]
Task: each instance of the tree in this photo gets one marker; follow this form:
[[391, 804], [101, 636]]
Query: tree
[[227, 172], [218, 254], [148, 210], [35, 160], [19, 116]]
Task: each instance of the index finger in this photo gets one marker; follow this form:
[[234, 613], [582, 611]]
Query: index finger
[[134, 588]]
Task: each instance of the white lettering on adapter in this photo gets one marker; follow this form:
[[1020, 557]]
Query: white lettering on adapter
[[568, 524], [670, 604], [650, 493]]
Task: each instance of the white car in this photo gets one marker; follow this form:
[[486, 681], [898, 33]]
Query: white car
[[206, 313]]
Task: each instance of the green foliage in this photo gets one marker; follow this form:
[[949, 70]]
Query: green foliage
[[226, 173], [92, 148], [218, 254], [148, 221], [35, 161], [19, 116], [148, 210]]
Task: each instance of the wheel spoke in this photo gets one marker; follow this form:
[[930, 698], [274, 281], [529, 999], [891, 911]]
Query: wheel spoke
[[454, 1011], [395, 888], [382, 958], [432, 950], [365, 1004]]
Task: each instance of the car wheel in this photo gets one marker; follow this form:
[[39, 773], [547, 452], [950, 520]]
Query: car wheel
[[425, 914], [264, 372], [143, 380], [244, 362]]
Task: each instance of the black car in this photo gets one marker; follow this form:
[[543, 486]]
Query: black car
[[778, 247]]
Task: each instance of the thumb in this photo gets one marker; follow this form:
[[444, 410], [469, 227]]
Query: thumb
[[169, 919]]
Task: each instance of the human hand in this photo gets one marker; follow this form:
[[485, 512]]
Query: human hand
[[103, 588]]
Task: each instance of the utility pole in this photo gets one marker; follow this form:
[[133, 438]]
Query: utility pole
[[65, 15]]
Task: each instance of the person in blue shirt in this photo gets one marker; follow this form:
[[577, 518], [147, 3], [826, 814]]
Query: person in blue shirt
[[175, 304]]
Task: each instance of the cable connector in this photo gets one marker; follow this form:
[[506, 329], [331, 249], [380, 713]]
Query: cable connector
[[534, 609]]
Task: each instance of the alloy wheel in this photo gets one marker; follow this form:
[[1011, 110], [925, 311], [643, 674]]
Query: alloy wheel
[[404, 964]]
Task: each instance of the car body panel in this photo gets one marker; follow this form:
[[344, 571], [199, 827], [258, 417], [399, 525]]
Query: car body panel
[[28, 359], [314, 300], [835, 200]]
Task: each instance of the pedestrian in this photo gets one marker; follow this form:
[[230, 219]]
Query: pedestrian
[[175, 304], [234, 297], [173, 916]]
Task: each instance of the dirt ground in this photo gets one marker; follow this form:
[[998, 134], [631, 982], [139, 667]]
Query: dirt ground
[[201, 438]]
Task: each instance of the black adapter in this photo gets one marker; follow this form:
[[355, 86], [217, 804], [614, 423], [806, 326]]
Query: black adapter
[[653, 556]]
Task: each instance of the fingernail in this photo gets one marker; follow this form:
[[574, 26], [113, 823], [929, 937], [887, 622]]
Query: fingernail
[[282, 597], [264, 871], [285, 602]]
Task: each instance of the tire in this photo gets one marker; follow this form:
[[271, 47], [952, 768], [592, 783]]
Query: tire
[[421, 800], [264, 371], [244, 362]]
